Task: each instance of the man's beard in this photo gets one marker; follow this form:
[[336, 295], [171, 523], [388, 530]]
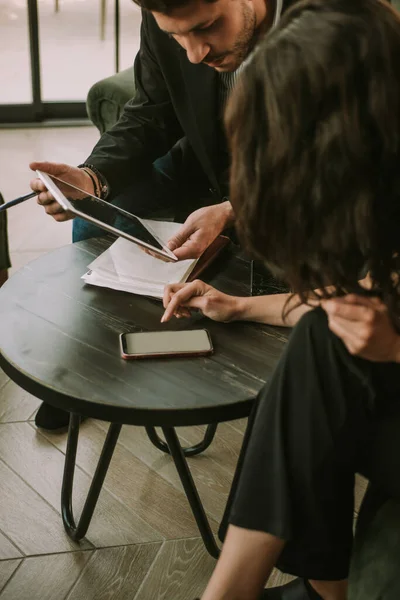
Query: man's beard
[[244, 44], [247, 38]]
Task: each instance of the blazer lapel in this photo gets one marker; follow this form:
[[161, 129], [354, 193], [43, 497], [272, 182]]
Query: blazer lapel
[[201, 89]]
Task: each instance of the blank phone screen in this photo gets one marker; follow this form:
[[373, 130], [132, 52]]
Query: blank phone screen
[[166, 342]]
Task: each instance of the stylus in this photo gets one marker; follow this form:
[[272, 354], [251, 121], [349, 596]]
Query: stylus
[[17, 201]]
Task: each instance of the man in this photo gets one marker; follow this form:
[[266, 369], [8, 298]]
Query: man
[[168, 151]]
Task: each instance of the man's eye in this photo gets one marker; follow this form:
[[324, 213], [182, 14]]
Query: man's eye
[[208, 28], [202, 30]]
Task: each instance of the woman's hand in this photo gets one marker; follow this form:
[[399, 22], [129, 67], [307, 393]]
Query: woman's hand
[[364, 326], [179, 298]]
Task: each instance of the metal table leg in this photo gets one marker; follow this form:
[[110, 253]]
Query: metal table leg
[[173, 447], [77, 532], [191, 450], [191, 492]]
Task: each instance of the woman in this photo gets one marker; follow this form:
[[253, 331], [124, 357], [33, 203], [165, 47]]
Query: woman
[[314, 127]]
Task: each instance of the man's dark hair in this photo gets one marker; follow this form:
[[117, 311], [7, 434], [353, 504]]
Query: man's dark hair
[[164, 7], [314, 128]]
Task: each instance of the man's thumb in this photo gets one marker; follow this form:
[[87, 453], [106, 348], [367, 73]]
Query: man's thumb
[[172, 244], [179, 238], [48, 167]]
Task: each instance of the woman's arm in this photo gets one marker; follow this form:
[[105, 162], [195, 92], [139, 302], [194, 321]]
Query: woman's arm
[[270, 309], [179, 298]]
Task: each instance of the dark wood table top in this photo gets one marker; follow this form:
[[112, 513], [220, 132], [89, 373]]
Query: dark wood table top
[[59, 340]]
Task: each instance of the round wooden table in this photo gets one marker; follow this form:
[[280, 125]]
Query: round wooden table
[[59, 340]]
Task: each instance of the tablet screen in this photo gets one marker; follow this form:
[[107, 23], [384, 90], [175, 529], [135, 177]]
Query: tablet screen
[[94, 208]]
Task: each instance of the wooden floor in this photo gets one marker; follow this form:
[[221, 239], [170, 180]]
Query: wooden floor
[[143, 543]]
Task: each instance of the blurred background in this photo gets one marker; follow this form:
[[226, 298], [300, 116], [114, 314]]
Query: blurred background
[[52, 51]]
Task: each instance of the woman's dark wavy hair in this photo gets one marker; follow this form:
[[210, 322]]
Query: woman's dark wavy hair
[[314, 128]]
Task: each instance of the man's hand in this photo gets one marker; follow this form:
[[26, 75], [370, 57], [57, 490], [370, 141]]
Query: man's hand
[[200, 230], [179, 298], [73, 175], [364, 326]]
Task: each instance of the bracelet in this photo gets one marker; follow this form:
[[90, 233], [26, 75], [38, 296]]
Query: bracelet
[[103, 187], [95, 188]]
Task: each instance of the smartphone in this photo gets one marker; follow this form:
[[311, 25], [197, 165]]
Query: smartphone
[[150, 344]]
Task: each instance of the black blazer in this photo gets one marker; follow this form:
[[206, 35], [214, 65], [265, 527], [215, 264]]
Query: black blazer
[[175, 100]]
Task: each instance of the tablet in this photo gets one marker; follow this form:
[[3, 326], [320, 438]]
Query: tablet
[[109, 217]]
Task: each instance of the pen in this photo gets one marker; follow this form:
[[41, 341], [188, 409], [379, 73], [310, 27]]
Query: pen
[[17, 201]]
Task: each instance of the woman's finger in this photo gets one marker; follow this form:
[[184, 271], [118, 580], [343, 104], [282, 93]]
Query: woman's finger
[[170, 290], [368, 301], [360, 300], [184, 312], [174, 304], [181, 298], [350, 340], [176, 293], [353, 313]]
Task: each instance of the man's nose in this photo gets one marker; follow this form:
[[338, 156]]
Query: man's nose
[[196, 50]]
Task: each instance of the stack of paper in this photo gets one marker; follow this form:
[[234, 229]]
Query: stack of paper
[[126, 267]]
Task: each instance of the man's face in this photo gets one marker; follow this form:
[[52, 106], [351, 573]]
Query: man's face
[[219, 34]]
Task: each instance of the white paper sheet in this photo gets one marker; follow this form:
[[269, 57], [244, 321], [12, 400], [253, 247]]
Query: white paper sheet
[[124, 266]]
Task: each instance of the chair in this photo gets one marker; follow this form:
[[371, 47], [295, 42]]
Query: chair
[[107, 98], [375, 562]]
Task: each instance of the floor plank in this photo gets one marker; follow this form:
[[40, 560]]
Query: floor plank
[[277, 578], [16, 404], [46, 577], [212, 471], [41, 465], [141, 489], [239, 425], [30, 523], [7, 568], [7, 549], [3, 380], [115, 573], [359, 491], [181, 571], [225, 447]]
